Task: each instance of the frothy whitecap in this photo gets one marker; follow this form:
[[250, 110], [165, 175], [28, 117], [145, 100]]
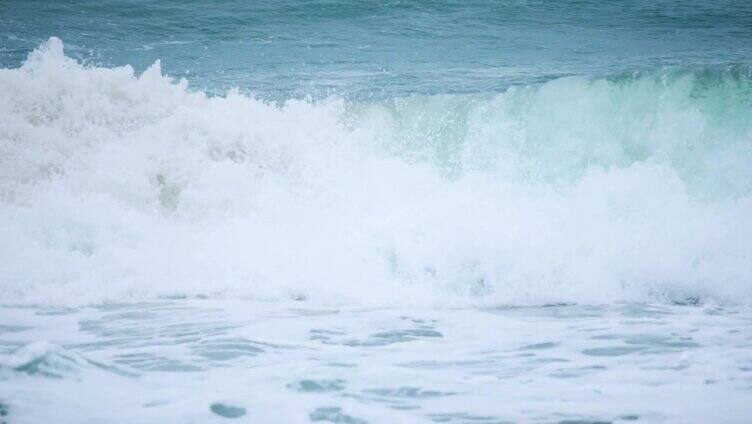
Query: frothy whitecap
[[117, 186]]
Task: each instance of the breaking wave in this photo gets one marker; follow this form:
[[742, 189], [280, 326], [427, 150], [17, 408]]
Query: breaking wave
[[118, 186]]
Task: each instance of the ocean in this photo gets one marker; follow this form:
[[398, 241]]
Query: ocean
[[375, 211]]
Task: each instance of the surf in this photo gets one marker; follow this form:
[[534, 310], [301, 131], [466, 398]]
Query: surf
[[118, 186]]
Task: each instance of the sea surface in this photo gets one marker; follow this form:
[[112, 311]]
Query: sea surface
[[375, 211]]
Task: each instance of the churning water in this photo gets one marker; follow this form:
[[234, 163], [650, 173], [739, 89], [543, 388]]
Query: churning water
[[375, 211]]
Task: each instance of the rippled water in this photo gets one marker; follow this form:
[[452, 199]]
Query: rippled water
[[209, 360]]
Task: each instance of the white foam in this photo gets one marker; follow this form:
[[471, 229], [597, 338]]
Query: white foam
[[115, 186]]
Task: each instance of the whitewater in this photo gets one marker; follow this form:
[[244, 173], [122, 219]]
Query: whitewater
[[120, 186], [575, 250]]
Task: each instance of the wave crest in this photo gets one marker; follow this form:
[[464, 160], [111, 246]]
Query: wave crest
[[116, 186]]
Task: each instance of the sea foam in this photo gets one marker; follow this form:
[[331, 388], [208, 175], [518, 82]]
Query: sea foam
[[117, 186]]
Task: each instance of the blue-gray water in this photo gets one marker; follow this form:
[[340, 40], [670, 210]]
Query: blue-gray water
[[383, 48], [351, 212]]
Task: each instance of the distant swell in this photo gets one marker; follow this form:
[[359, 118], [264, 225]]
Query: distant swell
[[591, 190]]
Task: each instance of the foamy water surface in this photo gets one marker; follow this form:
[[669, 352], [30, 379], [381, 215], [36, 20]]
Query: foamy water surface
[[351, 213], [208, 361]]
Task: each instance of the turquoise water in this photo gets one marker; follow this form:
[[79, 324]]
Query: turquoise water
[[350, 212], [281, 49]]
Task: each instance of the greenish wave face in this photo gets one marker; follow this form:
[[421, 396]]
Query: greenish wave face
[[698, 122]]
